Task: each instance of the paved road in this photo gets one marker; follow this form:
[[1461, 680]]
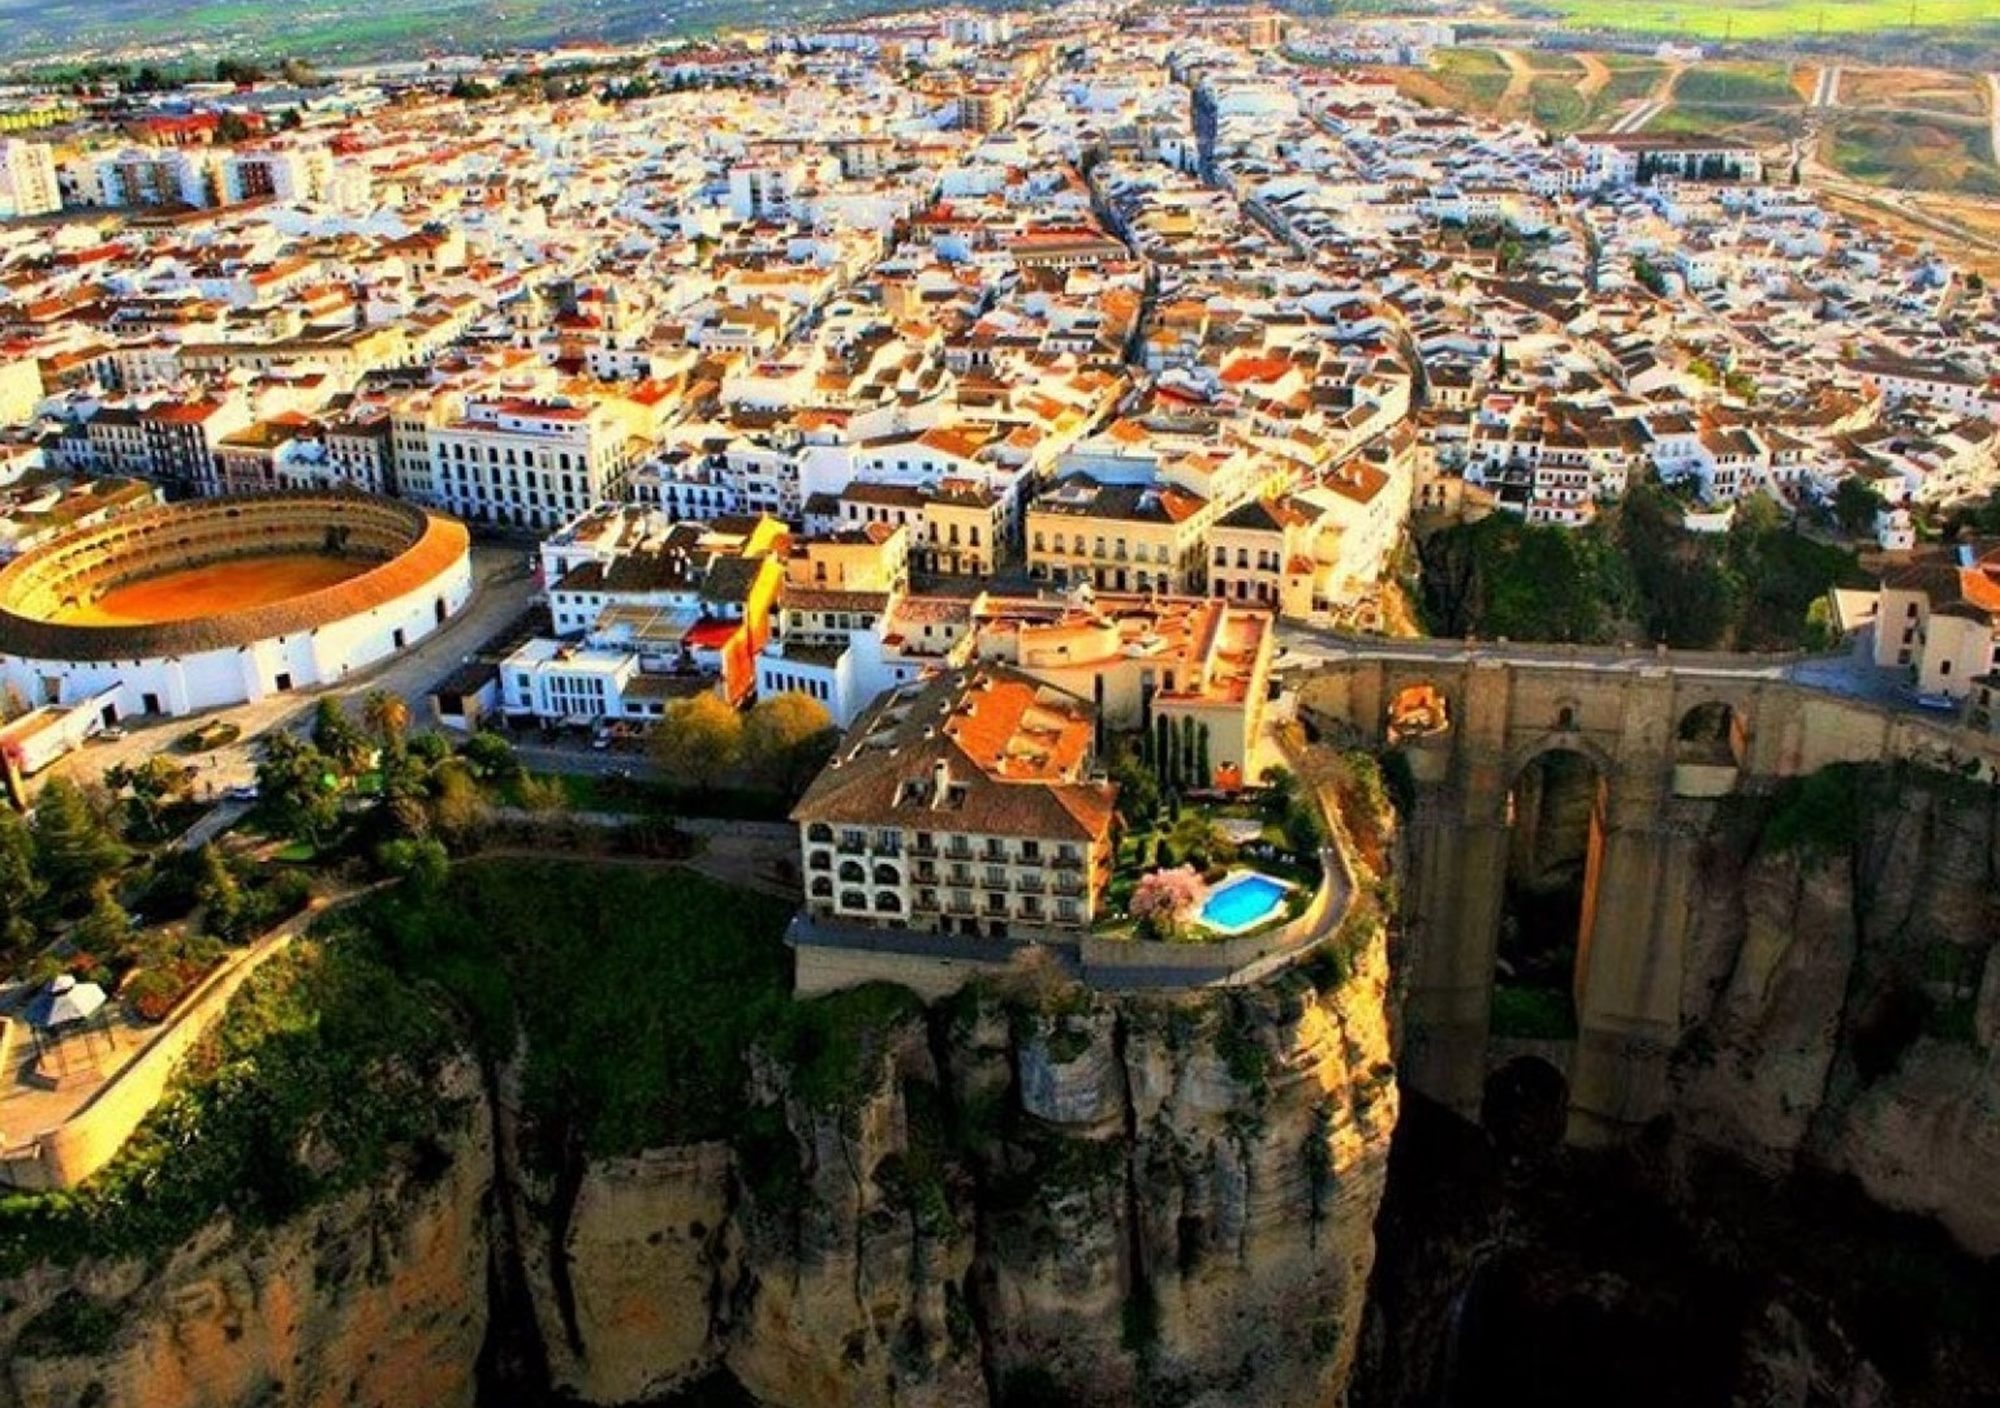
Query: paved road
[[213, 823], [1638, 117]]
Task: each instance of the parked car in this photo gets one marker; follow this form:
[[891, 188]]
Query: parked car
[[247, 792]]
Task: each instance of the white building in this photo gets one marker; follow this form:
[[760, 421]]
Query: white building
[[28, 179], [527, 463]]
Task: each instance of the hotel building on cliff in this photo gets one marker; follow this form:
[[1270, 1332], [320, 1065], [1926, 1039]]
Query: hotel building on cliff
[[964, 804]]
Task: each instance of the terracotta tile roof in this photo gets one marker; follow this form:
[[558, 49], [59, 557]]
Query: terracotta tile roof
[[986, 751]]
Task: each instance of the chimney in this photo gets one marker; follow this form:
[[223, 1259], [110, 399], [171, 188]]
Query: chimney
[[940, 782]]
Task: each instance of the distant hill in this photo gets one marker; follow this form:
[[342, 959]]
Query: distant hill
[[352, 31]]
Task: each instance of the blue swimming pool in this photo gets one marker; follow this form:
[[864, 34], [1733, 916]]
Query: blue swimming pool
[[1243, 901]]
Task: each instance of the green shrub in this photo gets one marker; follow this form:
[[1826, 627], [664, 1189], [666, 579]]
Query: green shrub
[[832, 1045], [591, 962], [74, 1326], [321, 1044], [1820, 812], [1532, 1014]]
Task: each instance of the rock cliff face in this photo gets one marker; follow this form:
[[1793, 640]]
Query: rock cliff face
[[374, 1298], [1028, 1195], [1845, 997], [1796, 1230], [1036, 1197]]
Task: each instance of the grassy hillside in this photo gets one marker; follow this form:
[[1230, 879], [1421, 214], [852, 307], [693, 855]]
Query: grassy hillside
[[349, 31], [1766, 19]]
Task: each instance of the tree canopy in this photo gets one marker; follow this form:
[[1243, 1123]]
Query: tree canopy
[[698, 741], [1635, 574]]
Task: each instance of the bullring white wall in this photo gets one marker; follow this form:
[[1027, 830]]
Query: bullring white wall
[[414, 573], [215, 679]]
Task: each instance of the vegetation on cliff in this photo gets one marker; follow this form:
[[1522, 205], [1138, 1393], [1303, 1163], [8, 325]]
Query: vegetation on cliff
[[1635, 575], [321, 1074], [639, 993]]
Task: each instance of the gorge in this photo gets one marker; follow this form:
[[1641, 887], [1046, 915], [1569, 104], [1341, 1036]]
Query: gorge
[[1032, 1194]]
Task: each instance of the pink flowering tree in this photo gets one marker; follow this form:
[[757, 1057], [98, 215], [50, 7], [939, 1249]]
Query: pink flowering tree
[[1164, 901]]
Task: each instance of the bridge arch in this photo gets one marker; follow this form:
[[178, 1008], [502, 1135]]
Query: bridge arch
[[1711, 746], [1555, 810]]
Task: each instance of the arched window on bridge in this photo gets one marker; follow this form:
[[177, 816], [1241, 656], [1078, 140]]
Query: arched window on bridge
[[1417, 712]]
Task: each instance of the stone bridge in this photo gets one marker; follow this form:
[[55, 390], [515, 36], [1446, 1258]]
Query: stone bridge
[[1667, 734]]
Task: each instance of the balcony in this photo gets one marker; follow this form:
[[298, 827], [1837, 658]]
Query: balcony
[[926, 902], [853, 846], [1031, 885], [1068, 862], [926, 870], [1070, 889]]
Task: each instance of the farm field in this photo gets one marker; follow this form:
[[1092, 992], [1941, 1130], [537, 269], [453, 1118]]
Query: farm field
[[352, 31], [1770, 19], [1927, 90], [1912, 152], [1755, 102], [1563, 92]]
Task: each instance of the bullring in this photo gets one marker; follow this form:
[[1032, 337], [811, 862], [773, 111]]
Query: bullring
[[219, 601]]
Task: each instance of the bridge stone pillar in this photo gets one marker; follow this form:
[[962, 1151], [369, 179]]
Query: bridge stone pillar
[[1452, 900], [1639, 893]]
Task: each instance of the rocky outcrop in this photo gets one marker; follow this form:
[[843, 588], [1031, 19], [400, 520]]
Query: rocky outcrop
[[1031, 1191], [1843, 996], [373, 1298], [1038, 1192]]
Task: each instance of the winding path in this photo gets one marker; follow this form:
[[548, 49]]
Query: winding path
[[1520, 78], [1595, 76]]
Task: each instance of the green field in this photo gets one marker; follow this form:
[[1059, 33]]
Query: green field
[[1767, 19], [1740, 100], [177, 32], [1759, 126], [1914, 153], [1738, 85], [1477, 77]]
